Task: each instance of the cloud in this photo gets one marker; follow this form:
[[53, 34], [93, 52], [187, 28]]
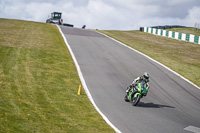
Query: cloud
[[107, 14], [193, 16]]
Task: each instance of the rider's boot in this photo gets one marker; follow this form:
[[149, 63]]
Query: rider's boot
[[126, 97], [127, 91]]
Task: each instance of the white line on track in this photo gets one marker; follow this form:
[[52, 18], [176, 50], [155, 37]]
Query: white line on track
[[192, 129], [84, 83], [153, 61]]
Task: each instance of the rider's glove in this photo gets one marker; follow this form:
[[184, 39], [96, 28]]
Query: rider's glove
[[135, 84]]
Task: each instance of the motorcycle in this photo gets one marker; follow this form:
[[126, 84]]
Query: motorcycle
[[135, 93]]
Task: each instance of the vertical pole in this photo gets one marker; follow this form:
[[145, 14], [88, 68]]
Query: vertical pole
[[79, 90]]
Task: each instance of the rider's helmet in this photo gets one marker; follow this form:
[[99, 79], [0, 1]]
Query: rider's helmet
[[146, 75]]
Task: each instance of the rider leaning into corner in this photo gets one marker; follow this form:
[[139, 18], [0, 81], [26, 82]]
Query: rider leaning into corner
[[143, 79]]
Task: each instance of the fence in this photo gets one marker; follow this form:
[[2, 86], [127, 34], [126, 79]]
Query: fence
[[172, 34]]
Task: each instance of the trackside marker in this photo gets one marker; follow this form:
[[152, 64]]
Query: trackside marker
[[79, 90], [84, 83], [192, 129]]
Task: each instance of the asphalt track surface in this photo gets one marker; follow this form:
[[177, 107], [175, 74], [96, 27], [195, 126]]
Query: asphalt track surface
[[171, 106]]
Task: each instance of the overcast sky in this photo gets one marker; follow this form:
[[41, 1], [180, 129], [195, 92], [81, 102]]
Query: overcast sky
[[106, 14]]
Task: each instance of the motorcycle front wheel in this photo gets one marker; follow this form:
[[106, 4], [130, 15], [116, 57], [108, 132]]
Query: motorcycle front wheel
[[135, 100]]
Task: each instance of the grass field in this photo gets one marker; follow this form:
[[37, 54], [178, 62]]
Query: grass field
[[39, 83], [182, 57]]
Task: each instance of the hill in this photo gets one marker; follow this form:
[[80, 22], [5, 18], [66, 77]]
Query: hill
[[39, 83]]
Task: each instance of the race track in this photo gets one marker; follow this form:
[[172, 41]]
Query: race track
[[171, 106]]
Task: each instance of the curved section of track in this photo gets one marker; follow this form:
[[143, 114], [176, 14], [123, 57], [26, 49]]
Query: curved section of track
[[172, 104]]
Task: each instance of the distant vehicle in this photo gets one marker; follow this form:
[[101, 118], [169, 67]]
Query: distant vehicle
[[55, 18]]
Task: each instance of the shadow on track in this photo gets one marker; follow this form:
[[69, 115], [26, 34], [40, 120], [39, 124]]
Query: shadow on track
[[152, 105]]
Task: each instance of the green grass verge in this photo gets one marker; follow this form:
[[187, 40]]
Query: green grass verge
[[39, 83], [182, 57], [192, 31]]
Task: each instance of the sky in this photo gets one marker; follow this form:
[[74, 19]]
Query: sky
[[106, 14]]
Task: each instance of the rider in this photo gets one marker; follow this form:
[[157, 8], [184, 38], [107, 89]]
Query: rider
[[145, 78]]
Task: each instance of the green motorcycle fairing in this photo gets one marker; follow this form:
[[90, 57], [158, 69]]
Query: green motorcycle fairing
[[130, 93], [141, 89]]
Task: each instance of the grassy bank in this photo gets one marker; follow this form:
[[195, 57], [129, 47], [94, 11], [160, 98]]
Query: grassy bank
[[182, 57], [39, 83]]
